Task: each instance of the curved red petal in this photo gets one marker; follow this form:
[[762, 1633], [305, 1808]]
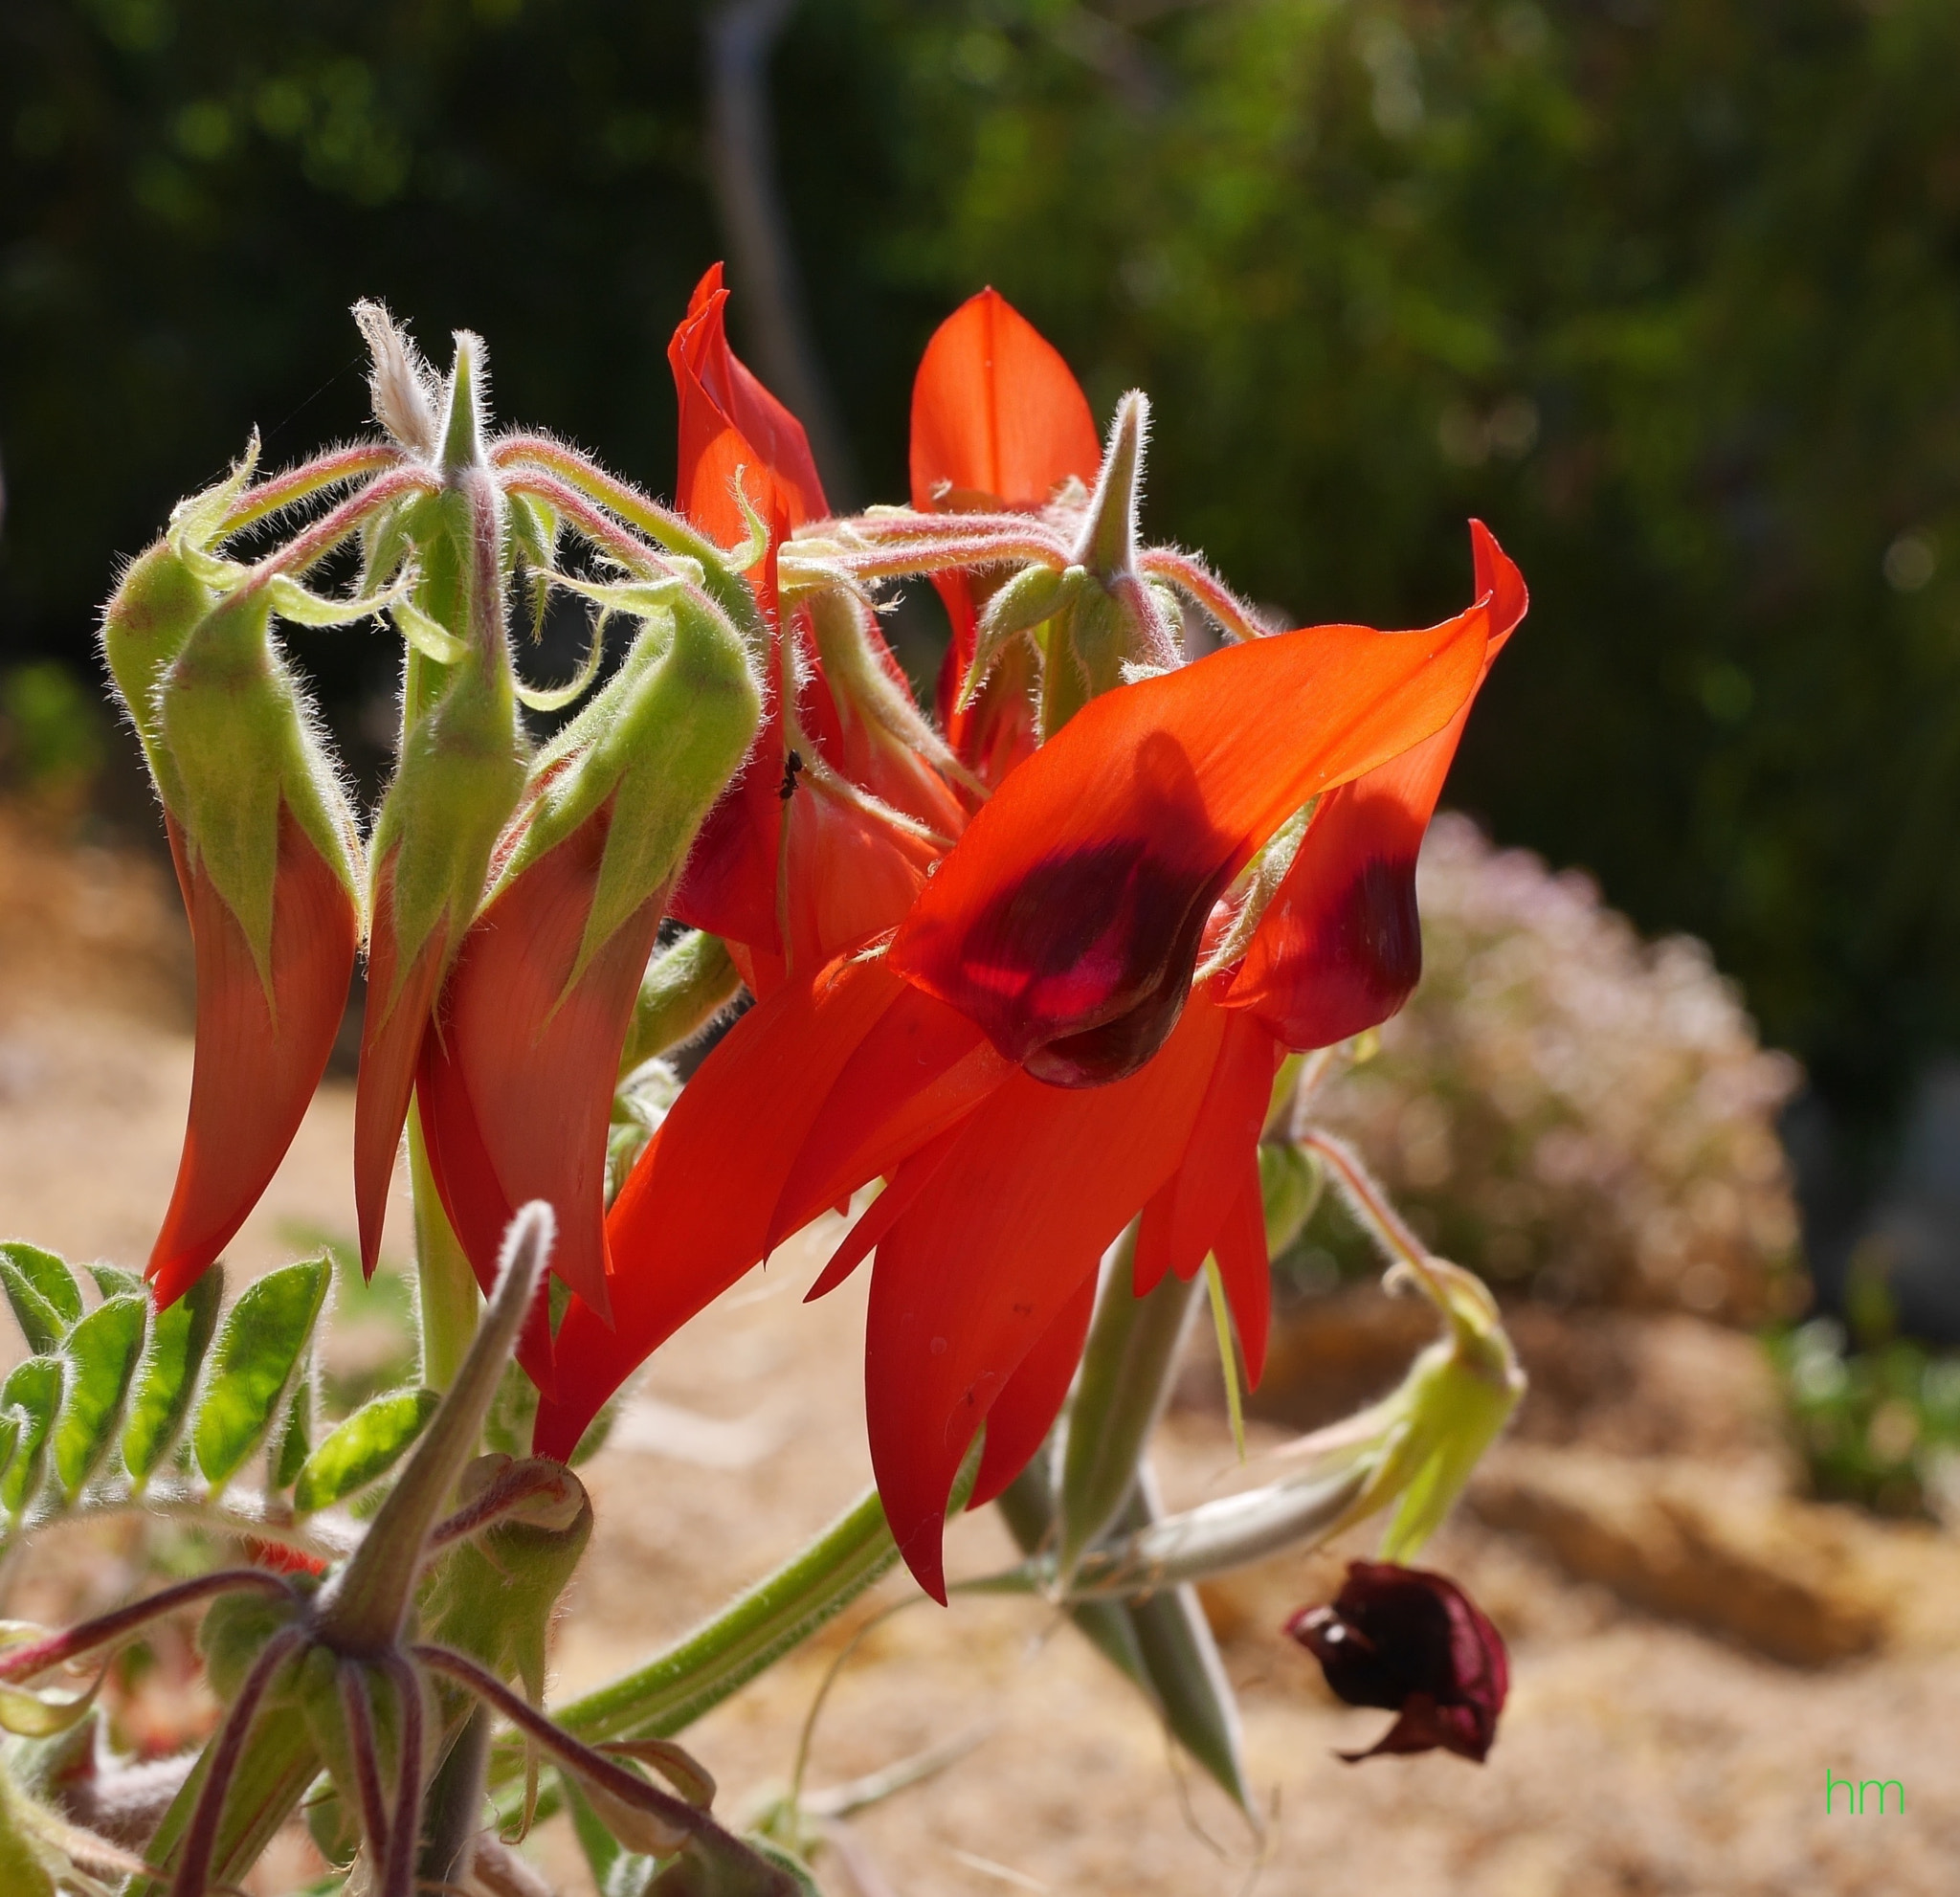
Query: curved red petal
[[1182, 1222], [694, 1214], [257, 1061], [986, 1257], [851, 876], [718, 396], [1067, 918], [1026, 1408], [399, 1004], [473, 1200], [1245, 1270], [997, 413], [1340, 949], [537, 1052], [920, 1069]]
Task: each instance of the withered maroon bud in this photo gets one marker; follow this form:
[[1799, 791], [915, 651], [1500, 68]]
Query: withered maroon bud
[[1416, 1644]]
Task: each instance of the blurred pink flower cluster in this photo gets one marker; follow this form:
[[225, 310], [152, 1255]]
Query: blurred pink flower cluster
[[1574, 1111]]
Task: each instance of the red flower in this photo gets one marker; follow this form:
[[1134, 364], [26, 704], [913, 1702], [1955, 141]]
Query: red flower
[[847, 870], [263, 1037], [1415, 1643], [999, 422], [1026, 1061]]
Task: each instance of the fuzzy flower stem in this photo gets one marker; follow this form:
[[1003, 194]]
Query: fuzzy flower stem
[[363, 1608], [312, 546], [1363, 1194], [672, 530], [359, 1711], [22, 1662], [404, 1830], [964, 550], [310, 477], [200, 1841], [1196, 582], [510, 1492]]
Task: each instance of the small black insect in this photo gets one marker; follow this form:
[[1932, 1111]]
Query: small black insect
[[792, 764]]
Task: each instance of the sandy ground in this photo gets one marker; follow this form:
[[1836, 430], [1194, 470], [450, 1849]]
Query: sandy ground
[[1637, 1755]]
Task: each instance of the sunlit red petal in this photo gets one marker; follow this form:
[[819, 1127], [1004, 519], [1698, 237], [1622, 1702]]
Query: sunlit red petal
[[537, 1052], [694, 1214], [1067, 919], [256, 1061], [1245, 1270], [1182, 1222], [399, 1002], [1340, 949], [718, 396], [986, 1258], [1026, 1408], [995, 412]]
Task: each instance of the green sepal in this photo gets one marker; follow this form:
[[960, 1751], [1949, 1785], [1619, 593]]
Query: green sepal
[[160, 1397], [25, 1870], [1290, 1185], [495, 1593], [157, 605], [1128, 1363], [258, 1349], [240, 742], [101, 1353], [34, 1389], [10, 1422], [363, 1447], [42, 1291], [1017, 606], [657, 743], [686, 985]]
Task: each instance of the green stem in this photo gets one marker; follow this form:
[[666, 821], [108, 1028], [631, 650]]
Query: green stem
[[447, 1301], [754, 1631]]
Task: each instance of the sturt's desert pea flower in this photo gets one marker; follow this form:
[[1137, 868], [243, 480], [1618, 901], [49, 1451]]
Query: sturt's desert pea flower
[[1026, 1058], [840, 812], [1417, 1644], [515, 1086], [267, 854], [999, 424], [461, 767]]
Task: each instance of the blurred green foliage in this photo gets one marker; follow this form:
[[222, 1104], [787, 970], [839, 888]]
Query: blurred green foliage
[[1878, 1426], [1669, 294]]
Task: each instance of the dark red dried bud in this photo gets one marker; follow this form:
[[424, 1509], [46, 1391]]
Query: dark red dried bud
[[1417, 1645]]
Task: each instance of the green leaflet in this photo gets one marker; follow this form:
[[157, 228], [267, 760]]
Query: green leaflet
[[295, 1440], [10, 1439], [42, 1291], [258, 1351], [34, 1389], [362, 1448], [160, 1397], [99, 1354], [112, 1280]]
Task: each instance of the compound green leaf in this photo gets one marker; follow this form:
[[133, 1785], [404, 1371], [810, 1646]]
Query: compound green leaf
[[296, 1436], [33, 1389], [101, 1353], [161, 1397], [42, 1291], [258, 1349], [363, 1447]]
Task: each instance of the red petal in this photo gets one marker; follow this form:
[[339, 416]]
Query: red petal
[[995, 412], [1025, 1411], [852, 878], [694, 1214], [537, 1054], [979, 1268], [921, 1068], [399, 1002], [1066, 920], [718, 396], [1340, 949], [257, 1062], [1182, 1222], [1245, 1270], [883, 1213], [473, 1200]]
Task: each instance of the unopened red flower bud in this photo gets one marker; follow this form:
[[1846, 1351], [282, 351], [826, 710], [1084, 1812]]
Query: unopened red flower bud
[[1414, 1642]]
